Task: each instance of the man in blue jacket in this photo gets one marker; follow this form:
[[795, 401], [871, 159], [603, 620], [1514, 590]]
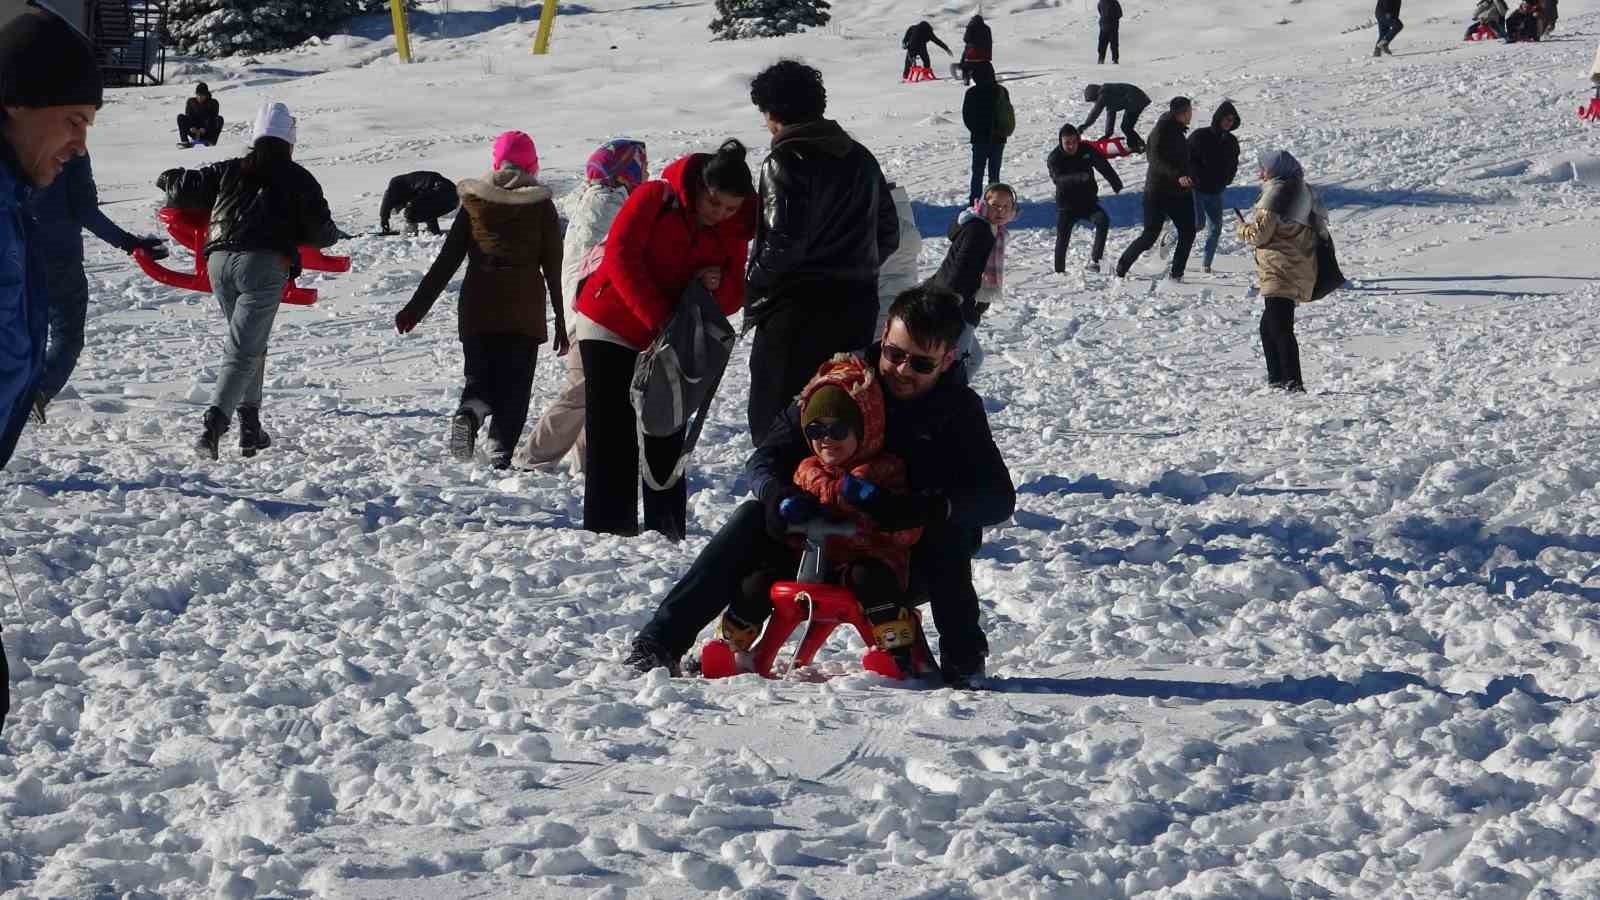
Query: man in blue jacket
[[49, 93]]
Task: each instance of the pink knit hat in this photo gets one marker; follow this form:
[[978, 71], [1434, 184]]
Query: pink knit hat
[[516, 148]]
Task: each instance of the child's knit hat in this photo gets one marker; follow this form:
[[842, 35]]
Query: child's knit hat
[[830, 401]]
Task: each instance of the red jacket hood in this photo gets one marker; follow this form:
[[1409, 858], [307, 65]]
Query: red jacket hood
[[861, 383], [683, 172]]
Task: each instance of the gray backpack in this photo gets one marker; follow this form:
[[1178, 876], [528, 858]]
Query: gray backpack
[[678, 374]]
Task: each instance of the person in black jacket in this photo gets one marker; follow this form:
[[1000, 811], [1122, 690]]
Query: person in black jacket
[[959, 485], [987, 113], [1115, 98], [1072, 165], [263, 206], [201, 119], [978, 41], [1168, 190], [422, 196], [1387, 14], [1214, 160], [916, 42], [1110, 23], [1523, 25], [827, 222]]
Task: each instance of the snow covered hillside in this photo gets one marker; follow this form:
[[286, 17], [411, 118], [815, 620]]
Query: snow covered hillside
[[1340, 644]]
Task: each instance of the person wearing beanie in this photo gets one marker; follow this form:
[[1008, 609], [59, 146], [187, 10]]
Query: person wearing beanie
[[1072, 164], [1283, 228], [1214, 157], [264, 207], [842, 419], [613, 171], [509, 235], [1114, 98], [421, 197], [201, 119], [1168, 190]]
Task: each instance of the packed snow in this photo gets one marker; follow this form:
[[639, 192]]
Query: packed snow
[[1245, 645]]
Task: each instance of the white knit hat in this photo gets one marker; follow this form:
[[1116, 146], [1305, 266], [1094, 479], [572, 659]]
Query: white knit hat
[[274, 120]]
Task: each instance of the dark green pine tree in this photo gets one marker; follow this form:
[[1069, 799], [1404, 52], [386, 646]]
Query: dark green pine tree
[[740, 19], [224, 27]]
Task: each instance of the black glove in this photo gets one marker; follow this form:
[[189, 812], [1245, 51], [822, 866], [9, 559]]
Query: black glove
[[156, 247], [777, 523], [895, 512]]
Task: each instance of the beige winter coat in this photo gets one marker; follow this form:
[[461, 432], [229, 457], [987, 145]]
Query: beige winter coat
[[1286, 252], [1594, 71]]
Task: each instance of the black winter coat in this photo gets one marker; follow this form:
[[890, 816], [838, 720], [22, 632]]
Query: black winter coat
[[430, 189], [918, 36], [277, 210], [1387, 8], [1076, 189], [1214, 153], [826, 216], [1521, 26], [202, 109], [1116, 97], [1168, 153], [978, 36], [978, 112], [971, 242], [943, 437], [1110, 15]]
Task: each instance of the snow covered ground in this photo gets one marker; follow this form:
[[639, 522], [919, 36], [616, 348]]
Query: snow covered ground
[[1246, 645]]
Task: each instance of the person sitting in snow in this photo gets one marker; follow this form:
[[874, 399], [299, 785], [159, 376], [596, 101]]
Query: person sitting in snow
[[1523, 25], [201, 119], [510, 236], [1490, 14], [974, 265], [842, 418], [420, 197]]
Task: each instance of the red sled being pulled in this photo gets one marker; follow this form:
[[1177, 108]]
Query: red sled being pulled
[[189, 228], [1111, 147], [820, 606]]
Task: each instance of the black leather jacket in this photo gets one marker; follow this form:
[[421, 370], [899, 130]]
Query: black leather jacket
[[826, 217], [278, 210]]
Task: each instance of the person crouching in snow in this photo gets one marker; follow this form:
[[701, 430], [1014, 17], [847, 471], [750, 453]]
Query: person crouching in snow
[[611, 174], [264, 207], [1283, 227], [974, 266], [842, 417], [510, 237]]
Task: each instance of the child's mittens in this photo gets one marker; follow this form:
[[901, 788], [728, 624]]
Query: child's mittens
[[860, 493], [799, 509]]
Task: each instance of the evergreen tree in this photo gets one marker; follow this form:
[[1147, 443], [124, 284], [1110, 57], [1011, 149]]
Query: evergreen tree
[[740, 19], [224, 27]]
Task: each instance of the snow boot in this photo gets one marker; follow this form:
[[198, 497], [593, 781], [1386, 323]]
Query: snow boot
[[37, 411], [1386, 50], [647, 655], [463, 434], [1093, 267], [1377, 50], [216, 425], [251, 436]]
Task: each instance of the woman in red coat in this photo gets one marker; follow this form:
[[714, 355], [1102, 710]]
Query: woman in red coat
[[696, 222]]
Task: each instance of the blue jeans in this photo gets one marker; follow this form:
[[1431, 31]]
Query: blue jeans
[[249, 288], [69, 306], [1209, 206], [984, 155]]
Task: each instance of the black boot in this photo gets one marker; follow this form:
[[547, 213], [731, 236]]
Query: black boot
[[463, 434], [251, 436], [216, 425]]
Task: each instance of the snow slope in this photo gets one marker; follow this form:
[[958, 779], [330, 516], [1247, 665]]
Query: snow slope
[[1246, 646]]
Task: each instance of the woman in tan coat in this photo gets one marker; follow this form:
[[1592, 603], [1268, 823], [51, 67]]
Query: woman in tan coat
[[1283, 228], [510, 237]]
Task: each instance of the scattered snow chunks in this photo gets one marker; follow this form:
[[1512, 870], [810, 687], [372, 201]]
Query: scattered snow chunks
[[971, 851], [780, 848], [703, 873]]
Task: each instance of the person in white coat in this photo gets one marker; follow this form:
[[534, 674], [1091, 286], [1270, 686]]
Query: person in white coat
[[614, 170], [899, 272]]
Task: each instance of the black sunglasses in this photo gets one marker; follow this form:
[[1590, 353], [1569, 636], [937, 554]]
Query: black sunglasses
[[922, 365], [838, 431]]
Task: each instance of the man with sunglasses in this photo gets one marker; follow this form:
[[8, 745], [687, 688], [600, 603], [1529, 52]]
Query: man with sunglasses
[[959, 485]]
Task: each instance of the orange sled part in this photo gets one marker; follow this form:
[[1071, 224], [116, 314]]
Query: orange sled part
[[189, 228]]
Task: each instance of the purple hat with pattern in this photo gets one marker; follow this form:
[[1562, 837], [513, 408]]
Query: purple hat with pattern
[[619, 161]]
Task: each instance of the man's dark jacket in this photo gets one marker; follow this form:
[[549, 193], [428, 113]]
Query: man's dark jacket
[[979, 36], [1214, 153], [1076, 189], [68, 206], [977, 110], [277, 210], [1387, 8], [1116, 97], [944, 439], [1168, 153], [1110, 15], [919, 35], [826, 216]]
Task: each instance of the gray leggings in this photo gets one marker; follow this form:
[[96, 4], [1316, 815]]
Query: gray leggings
[[249, 288]]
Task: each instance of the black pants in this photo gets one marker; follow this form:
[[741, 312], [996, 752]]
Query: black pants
[[800, 335], [499, 371], [984, 156], [1159, 209], [1278, 344], [212, 129], [1108, 39], [1066, 219], [915, 53], [941, 563], [611, 452]]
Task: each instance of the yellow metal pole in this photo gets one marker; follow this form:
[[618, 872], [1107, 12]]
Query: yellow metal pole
[[547, 21], [402, 35]]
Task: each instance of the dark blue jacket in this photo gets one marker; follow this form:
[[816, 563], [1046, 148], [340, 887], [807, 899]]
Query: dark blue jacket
[[24, 305], [69, 205]]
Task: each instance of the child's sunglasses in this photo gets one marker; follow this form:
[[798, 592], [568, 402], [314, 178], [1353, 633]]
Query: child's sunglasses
[[836, 431], [922, 365]]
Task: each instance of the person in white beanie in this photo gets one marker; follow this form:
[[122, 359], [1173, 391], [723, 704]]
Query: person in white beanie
[[264, 207]]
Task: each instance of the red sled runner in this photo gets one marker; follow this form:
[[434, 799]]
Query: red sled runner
[[189, 227], [1111, 147], [821, 607], [919, 73]]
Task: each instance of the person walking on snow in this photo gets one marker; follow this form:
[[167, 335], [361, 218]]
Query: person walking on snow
[[1110, 25], [827, 224], [974, 266], [1072, 165], [63, 211], [990, 120], [421, 197], [263, 207], [978, 41], [1283, 227], [1168, 191], [1214, 163], [201, 119], [613, 171], [1114, 98], [510, 237], [915, 42], [1387, 14]]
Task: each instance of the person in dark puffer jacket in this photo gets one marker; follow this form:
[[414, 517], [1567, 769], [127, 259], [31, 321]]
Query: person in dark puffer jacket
[[1072, 166], [264, 207], [1214, 160], [201, 119], [1110, 31], [1167, 191], [510, 237]]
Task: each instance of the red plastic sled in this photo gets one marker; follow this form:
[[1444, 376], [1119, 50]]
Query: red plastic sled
[[189, 227], [1483, 33], [1112, 147], [1591, 113], [919, 73]]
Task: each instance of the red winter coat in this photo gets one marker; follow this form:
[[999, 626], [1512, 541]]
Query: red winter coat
[[654, 248]]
